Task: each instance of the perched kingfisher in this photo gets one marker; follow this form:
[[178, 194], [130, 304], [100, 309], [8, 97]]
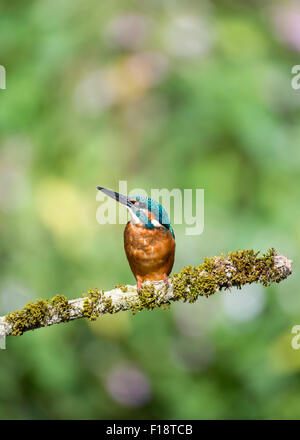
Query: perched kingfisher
[[149, 239]]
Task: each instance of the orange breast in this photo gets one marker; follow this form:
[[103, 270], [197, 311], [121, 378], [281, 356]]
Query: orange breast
[[150, 252]]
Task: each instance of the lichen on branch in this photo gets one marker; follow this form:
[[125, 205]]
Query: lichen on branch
[[213, 275]]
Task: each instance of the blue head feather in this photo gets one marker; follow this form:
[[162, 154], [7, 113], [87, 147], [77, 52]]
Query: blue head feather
[[155, 208]]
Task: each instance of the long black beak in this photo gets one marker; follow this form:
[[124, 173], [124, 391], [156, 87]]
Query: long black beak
[[114, 195]]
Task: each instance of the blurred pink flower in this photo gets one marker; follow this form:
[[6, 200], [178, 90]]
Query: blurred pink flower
[[286, 19], [128, 386], [128, 31]]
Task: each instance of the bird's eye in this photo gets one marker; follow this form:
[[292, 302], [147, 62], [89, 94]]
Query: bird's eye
[[133, 201]]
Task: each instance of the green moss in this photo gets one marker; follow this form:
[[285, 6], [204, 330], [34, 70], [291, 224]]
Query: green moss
[[61, 307], [212, 274], [122, 287], [34, 315], [147, 299], [90, 305], [108, 305]]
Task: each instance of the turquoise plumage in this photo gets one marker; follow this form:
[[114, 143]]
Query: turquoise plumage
[[156, 209]]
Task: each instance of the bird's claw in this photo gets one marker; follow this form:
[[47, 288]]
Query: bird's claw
[[166, 281], [139, 286]]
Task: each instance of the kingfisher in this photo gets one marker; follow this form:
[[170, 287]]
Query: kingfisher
[[149, 239]]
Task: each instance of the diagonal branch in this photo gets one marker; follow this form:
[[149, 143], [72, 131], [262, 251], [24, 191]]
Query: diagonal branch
[[214, 274]]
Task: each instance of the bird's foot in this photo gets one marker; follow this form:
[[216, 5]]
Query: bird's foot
[[139, 286], [166, 281]]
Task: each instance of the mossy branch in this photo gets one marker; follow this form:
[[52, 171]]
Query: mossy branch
[[214, 274]]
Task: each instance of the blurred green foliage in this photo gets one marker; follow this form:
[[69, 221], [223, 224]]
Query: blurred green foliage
[[162, 94]]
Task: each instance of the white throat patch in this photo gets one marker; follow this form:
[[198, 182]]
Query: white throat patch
[[155, 223], [136, 219]]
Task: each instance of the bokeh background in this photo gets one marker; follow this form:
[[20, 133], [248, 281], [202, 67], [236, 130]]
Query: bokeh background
[[162, 94]]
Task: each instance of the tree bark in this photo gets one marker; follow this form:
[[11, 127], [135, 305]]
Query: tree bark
[[213, 275]]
